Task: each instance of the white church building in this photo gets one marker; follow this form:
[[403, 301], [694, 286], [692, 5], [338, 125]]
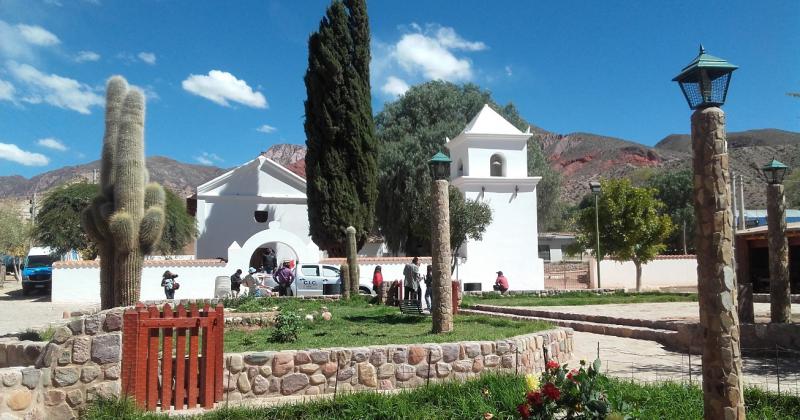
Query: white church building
[[490, 164]]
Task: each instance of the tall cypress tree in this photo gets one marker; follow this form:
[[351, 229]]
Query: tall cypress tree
[[341, 167]]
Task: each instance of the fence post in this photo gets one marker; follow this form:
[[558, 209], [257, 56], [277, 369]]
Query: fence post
[[152, 361], [209, 358], [219, 337], [140, 390], [166, 363]]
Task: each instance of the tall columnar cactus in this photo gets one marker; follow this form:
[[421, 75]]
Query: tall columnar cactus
[[352, 260], [127, 218]]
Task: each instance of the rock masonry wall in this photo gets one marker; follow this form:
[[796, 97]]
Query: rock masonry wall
[[80, 364], [334, 370]]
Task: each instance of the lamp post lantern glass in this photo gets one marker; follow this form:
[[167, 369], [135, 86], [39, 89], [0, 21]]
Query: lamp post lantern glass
[[596, 188], [440, 166], [774, 172], [705, 80]]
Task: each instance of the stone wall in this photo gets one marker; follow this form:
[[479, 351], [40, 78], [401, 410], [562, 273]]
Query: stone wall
[[333, 370], [79, 364], [14, 352]]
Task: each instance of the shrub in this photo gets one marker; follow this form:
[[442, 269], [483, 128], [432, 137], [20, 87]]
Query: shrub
[[287, 326]]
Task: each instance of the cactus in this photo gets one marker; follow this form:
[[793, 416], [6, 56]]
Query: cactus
[[127, 218], [352, 260], [345, 281]]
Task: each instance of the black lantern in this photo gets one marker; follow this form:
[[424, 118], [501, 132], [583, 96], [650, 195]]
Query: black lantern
[[705, 80], [774, 172], [595, 187], [440, 166]]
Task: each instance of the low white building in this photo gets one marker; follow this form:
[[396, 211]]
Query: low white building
[[490, 164]]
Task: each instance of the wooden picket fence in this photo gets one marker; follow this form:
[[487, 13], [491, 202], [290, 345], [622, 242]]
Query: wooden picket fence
[[157, 373]]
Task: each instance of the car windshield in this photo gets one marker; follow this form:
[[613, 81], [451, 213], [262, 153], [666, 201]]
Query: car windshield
[[35, 261]]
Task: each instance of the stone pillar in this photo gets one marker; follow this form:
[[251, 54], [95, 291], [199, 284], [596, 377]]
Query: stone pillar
[[345, 273], [780, 306], [352, 260], [442, 311], [723, 396]]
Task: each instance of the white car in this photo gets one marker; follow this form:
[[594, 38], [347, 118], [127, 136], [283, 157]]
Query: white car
[[317, 280]]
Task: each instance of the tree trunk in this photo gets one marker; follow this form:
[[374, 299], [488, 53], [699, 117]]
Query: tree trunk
[[638, 265], [723, 396]]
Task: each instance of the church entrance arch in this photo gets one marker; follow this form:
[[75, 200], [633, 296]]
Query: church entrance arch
[[290, 243]]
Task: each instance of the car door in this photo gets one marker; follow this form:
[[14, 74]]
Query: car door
[[309, 280]]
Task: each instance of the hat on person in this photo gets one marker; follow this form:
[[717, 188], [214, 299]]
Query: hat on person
[[251, 270], [499, 273], [167, 274]]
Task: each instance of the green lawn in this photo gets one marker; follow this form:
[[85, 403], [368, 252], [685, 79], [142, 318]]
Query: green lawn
[[455, 400], [577, 298], [356, 323]]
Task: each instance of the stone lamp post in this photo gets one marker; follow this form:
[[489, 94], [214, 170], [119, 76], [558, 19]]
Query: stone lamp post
[[780, 306], [596, 188], [442, 306], [704, 83]]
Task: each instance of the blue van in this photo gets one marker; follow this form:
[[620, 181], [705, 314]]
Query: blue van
[[38, 271]]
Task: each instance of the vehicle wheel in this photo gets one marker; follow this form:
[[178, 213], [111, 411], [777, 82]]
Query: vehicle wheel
[[364, 291]]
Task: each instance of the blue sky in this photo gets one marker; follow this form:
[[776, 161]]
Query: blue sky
[[225, 79]]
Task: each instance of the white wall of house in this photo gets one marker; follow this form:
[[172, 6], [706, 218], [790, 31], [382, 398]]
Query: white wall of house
[[662, 273]]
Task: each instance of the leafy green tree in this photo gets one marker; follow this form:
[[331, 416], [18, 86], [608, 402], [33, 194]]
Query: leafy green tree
[[341, 167], [58, 221], [468, 220], [413, 128], [792, 183], [675, 189], [14, 236], [632, 226]]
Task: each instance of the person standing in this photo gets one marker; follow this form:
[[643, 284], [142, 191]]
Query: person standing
[[411, 279], [251, 282], [236, 282], [285, 278], [169, 284], [501, 283], [428, 286], [377, 279], [269, 261]]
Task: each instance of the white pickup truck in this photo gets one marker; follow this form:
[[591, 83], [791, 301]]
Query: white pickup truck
[[312, 279]]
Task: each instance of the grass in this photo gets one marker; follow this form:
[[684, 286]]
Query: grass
[[37, 335], [465, 400], [355, 323], [576, 298]]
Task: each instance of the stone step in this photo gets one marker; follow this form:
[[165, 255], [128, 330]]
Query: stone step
[[600, 319], [665, 337]]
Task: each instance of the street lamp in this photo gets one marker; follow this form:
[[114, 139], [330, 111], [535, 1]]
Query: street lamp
[[704, 83], [779, 285], [442, 310], [595, 187]]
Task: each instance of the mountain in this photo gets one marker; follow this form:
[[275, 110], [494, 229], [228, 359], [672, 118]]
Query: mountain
[[286, 154], [582, 157], [180, 177]]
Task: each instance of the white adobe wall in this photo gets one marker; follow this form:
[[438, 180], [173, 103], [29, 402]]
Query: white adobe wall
[[80, 282], [679, 271], [480, 152], [509, 244]]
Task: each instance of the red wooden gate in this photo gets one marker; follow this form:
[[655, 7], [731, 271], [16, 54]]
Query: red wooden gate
[[184, 374]]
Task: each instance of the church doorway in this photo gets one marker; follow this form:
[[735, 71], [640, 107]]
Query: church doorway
[[283, 253]]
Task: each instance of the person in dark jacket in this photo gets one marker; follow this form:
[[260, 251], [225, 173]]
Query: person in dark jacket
[[169, 284], [284, 277], [269, 261], [428, 287], [236, 282]]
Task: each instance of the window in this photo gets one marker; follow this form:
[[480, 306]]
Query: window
[[261, 216], [328, 271], [310, 270], [460, 168], [544, 252], [497, 165]]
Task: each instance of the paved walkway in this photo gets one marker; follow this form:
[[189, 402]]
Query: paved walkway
[[19, 312]]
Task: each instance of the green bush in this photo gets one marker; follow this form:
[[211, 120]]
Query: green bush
[[287, 327]]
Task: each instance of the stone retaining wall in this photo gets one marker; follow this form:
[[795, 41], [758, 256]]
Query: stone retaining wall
[[545, 292], [14, 352], [333, 370], [80, 363]]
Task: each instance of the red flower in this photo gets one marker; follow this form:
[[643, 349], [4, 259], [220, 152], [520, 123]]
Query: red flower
[[524, 411], [551, 391], [552, 364], [535, 398], [572, 373]]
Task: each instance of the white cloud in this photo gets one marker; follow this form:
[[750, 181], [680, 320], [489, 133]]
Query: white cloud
[[84, 56], [37, 35], [52, 143], [221, 87], [420, 53], [448, 38], [55, 90], [266, 129], [508, 71], [147, 57], [394, 86], [14, 154], [208, 158], [6, 91]]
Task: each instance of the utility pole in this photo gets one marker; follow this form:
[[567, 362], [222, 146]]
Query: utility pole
[[742, 215], [733, 191]]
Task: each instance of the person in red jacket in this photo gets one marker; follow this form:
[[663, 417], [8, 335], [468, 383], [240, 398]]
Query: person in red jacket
[[501, 283], [377, 279]]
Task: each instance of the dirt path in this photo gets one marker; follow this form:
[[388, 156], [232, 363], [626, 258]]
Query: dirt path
[[19, 312]]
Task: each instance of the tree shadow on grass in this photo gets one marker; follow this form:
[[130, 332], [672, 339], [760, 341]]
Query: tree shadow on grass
[[391, 319]]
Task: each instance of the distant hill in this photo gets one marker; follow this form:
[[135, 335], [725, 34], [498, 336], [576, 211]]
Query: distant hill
[[762, 137], [180, 177]]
